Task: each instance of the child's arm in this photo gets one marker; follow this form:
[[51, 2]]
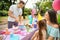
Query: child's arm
[[44, 34], [35, 35]]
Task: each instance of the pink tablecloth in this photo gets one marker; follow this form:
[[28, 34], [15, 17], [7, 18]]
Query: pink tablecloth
[[27, 36]]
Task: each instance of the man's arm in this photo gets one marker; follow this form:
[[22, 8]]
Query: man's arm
[[10, 13]]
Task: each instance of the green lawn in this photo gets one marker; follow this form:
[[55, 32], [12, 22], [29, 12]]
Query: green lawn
[[6, 17], [3, 18]]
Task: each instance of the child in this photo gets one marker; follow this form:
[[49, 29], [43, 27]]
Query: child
[[21, 22], [34, 21], [20, 18], [41, 33]]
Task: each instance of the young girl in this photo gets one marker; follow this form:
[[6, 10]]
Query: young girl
[[21, 22], [20, 18], [34, 23], [41, 33]]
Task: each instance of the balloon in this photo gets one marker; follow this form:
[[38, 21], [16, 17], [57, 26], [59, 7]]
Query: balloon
[[56, 5], [39, 17]]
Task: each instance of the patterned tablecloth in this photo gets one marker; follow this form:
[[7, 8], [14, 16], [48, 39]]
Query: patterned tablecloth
[[24, 35]]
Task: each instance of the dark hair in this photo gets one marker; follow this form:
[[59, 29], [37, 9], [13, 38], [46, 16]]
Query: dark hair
[[53, 16], [41, 24], [21, 2]]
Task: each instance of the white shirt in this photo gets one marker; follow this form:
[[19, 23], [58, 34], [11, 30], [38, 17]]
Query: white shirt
[[34, 21], [16, 12]]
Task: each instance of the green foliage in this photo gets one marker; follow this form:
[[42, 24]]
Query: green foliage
[[44, 6], [4, 6], [27, 11], [59, 18], [38, 4], [3, 13]]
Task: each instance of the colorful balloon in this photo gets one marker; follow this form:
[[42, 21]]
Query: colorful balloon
[[56, 5]]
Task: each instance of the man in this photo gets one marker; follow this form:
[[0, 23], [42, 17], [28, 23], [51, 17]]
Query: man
[[14, 12]]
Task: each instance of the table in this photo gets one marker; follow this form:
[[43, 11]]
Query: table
[[22, 37]]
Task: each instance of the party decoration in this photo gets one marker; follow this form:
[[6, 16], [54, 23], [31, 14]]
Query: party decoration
[[39, 17], [56, 5]]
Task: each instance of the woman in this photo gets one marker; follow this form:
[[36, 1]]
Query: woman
[[41, 33], [52, 25]]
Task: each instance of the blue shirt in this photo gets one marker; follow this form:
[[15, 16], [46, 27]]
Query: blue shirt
[[30, 19], [51, 31]]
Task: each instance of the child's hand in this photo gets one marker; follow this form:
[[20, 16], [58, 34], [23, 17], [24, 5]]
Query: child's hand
[[29, 26]]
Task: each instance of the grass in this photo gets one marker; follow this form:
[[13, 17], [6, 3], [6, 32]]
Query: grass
[[6, 17], [3, 18]]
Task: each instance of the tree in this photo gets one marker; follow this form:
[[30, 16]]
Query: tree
[[23, 9], [27, 11], [43, 6]]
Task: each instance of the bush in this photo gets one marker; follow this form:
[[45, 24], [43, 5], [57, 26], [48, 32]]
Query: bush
[[3, 13], [27, 11], [4, 5], [44, 6]]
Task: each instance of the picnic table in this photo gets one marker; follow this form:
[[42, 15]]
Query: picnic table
[[24, 35]]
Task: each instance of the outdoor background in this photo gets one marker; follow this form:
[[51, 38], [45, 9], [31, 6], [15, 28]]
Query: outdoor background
[[44, 5]]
